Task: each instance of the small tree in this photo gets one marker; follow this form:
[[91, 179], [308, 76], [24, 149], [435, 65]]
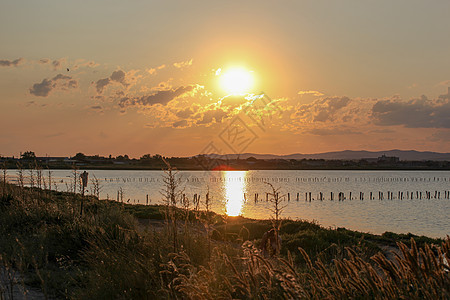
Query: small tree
[[28, 155], [80, 156], [276, 208]]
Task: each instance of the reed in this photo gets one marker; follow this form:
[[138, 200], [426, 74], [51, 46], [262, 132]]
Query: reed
[[107, 254]]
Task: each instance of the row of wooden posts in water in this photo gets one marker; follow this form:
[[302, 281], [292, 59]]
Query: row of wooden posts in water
[[333, 196], [341, 196]]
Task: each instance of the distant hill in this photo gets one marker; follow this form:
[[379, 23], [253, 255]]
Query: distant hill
[[410, 155]]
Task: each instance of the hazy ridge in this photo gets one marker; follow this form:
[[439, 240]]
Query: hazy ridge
[[410, 155]]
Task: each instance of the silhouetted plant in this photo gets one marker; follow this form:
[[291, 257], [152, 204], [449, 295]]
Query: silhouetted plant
[[171, 197]]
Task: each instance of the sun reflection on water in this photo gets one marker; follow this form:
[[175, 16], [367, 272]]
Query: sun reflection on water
[[235, 187]]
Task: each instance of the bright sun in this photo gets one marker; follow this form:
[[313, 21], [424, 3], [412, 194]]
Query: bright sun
[[236, 81]]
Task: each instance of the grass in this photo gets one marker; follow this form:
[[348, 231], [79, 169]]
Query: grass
[[106, 253]]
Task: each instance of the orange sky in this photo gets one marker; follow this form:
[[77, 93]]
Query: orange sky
[[336, 75]]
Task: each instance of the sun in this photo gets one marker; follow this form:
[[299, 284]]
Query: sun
[[236, 81]]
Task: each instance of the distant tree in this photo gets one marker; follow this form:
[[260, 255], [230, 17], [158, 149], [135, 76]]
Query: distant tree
[[146, 156], [251, 158], [79, 156], [157, 156], [122, 157], [28, 155]]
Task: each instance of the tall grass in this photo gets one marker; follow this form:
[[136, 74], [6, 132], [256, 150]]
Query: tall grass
[[106, 253], [418, 273]]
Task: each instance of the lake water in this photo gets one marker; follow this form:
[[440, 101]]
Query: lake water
[[411, 201]]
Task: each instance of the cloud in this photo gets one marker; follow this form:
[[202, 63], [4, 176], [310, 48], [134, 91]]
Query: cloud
[[96, 107], [81, 63], [101, 83], [58, 63], [42, 89], [160, 97], [331, 131], [184, 113], [60, 81], [382, 131], [327, 109], [217, 114], [180, 124], [330, 107], [415, 113], [183, 64], [235, 100], [11, 63], [118, 76], [314, 93], [163, 85]]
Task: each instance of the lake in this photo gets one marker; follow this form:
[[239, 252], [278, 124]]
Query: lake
[[368, 201]]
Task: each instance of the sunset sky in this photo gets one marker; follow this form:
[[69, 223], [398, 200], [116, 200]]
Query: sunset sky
[[137, 77]]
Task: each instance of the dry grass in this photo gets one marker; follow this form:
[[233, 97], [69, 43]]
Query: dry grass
[[419, 273], [102, 254]]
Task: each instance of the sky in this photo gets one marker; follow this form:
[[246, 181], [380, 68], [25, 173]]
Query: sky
[[146, 77]]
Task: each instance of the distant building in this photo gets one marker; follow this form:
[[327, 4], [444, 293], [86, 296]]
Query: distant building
[[388, 159], [382, 159]]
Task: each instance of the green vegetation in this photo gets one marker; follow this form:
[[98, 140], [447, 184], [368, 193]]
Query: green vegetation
[[205, 162], [119, 251]]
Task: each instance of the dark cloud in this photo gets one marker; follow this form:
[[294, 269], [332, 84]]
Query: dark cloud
[[11, 63], [44, 60], [61, 76], [217, 114], [184, 113], [42, 89], [60, 81], [415, 113], [117, 76], [96, 107], [329, 108], [182, 123], [101, 83], [160, 97], [325, 109]]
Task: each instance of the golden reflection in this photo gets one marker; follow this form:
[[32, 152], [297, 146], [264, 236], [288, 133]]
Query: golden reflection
[[235, 187]]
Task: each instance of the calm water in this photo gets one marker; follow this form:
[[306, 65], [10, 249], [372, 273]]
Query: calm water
[[233, 192]]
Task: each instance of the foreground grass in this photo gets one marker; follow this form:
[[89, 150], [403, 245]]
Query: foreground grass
[[106, 253]]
